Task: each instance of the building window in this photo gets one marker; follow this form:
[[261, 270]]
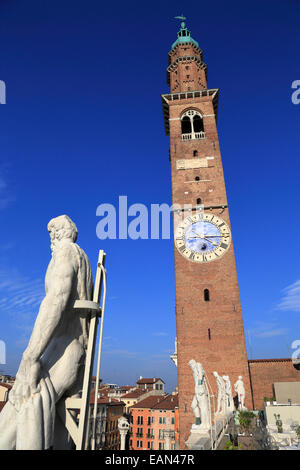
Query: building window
[[198, 202], [198, 123], [206, 295], [197, 178], [195, 153], [192, 126], [186, 126], [140, 420]]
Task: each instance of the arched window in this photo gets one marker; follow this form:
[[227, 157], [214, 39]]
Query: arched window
[[186, 126], [206, 295], [192, 126], [198, 123], [198, 201], [195, 153]]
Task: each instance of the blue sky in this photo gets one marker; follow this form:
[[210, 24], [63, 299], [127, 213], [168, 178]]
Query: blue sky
[[83, 124]]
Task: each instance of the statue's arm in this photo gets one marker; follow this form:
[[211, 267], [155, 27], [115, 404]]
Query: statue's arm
[[53, 305]]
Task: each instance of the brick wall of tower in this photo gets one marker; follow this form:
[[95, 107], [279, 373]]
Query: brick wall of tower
[[265, 372], [225, 352], [187, 72]]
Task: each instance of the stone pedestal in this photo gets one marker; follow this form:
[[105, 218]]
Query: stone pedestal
[[206, 439]]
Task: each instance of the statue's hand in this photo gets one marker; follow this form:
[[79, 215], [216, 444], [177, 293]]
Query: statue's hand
[[26, 384]]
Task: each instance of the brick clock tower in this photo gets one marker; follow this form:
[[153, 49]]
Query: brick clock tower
[[208, 310]]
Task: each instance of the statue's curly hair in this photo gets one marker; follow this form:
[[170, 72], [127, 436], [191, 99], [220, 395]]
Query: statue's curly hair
[[63, 227]]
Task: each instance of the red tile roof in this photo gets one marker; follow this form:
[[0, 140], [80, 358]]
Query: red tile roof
[[107, 401], [134, 394], [158, 402], [149, 381], [285, 359], [5, 385]]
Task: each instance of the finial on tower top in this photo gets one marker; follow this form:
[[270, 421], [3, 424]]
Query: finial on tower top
[[184, 34], [182, 18]]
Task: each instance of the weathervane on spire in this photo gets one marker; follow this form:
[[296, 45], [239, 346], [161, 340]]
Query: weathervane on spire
[[182, 18]]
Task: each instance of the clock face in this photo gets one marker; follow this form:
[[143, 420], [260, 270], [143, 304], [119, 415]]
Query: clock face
[[202, 237]]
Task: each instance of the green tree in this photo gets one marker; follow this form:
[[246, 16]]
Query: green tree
[[245, 420]]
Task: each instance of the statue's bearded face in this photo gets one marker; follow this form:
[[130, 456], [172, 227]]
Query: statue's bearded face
[[61, 228]]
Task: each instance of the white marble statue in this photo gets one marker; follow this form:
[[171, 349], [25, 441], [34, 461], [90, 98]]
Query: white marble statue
[[240, 390], [52, 364], [174, 356], [221, 403], [123, 426], [228, 395], [200, 404]]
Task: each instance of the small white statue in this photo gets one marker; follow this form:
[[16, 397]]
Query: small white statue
[[228, 395], [240, 390], [221, 406], [123, 426], [174, 355], [52, 364], [200, 404], [123, 423]]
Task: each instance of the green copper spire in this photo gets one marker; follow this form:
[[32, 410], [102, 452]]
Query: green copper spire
[[184, 34]]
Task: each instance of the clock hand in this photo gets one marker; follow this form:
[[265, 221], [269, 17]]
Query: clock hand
[[203, 238], [210, 241], [211, 236], [221, 235]]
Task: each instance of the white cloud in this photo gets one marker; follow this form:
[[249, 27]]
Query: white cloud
[[271, 333], [291, 298], [20, 298], [18, 292], [267, 330]]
